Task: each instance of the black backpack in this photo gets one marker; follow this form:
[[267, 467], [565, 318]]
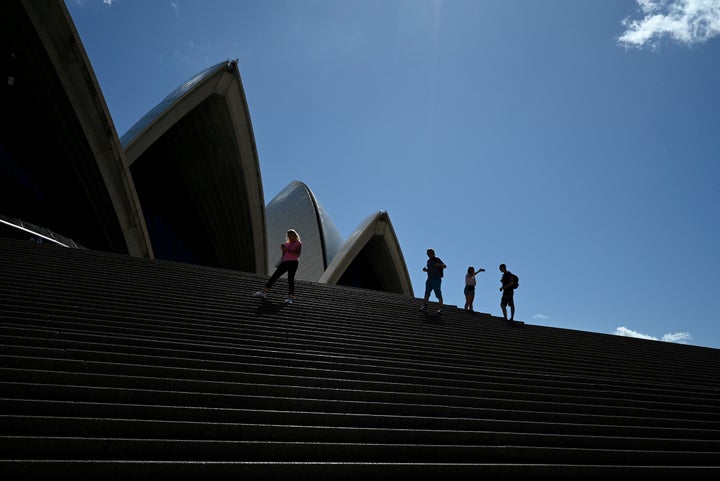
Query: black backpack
[[517, 281]]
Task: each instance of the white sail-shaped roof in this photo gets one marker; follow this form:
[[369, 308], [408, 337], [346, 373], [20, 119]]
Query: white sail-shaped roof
[[371, 258], [68, 171], [195, 165]]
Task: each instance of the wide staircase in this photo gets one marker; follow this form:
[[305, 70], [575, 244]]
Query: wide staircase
[[114, 367]]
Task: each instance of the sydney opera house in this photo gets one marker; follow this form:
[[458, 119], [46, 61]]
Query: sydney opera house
[[183, 184]]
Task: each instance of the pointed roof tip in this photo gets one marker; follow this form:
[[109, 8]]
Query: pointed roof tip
[[170, 101], [375, 239], [213, 98]]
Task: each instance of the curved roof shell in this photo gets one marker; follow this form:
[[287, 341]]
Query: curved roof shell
[[371, 258], [18, 229], [61, 163], [195, 165], [296, 207]]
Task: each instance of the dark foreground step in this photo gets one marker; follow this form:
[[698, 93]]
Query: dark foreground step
[[46, 426], [128, 449], [168, 470]]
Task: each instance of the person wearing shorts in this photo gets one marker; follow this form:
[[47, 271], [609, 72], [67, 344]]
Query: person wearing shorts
[[508, 289], [469, 290], [434, 269]]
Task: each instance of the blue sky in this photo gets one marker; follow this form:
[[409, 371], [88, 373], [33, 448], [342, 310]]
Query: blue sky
[[577, 142]]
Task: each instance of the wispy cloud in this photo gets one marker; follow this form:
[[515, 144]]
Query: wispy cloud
[[685, 21], [680, 337], [83, 3], [677, 337], [541, 317]]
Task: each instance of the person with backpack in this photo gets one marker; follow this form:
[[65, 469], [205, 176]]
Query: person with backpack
[[509, 282]]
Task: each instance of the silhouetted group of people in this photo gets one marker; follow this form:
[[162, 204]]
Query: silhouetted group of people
[[292, 248], [433, 284]]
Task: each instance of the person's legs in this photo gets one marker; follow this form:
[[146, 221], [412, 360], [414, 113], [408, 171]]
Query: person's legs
[[281, 269], [503, 304], [511, 303], [428, 289], [291, 270], [429, 286], [437, 287], [471, 299]]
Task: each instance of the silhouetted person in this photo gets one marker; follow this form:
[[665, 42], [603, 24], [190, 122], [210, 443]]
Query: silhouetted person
[[470, 287], [434, 269], [291, 249], [508, 289]]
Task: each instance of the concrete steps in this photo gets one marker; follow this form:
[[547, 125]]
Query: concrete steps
[[112, 366]]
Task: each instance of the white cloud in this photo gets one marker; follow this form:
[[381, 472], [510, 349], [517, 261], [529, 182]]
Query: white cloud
[[83, 3], [624, 331], [685, 21], [541, 317], [678, 337]]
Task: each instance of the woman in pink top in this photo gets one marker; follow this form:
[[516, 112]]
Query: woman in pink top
[[291, 249]]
